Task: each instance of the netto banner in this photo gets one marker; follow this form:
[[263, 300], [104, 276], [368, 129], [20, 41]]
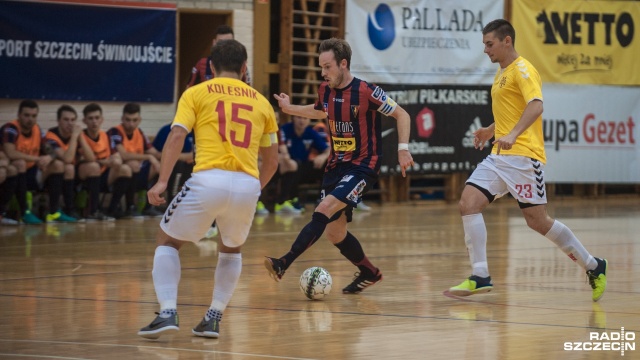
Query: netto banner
[[580, 42], [443, 119]]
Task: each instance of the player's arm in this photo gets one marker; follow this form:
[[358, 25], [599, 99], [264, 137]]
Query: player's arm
[[170, 153], [67, 156], [84, 150], [126, 156], [404, 130], [14, 154], [529, 115], [307, 111], [154, 152], [186, 157], [269, 154]]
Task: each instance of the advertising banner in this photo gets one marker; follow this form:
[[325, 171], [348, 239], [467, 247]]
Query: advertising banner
[[443, 119], [580, 42], [421, 41], [87, 51], [591, 134]]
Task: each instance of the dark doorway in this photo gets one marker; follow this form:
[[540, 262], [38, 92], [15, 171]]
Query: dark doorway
[[196, 31]]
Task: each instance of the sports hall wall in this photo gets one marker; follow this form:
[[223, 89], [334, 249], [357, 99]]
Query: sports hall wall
[[428, 55], [433, 64], [236, 13]]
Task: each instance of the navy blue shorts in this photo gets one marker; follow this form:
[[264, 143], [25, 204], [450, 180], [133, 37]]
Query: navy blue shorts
[[348, 183]]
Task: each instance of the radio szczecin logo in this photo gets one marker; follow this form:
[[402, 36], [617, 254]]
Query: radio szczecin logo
[[605, 341]]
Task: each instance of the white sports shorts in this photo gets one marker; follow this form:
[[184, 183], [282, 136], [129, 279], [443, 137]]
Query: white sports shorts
[[521, 176], [226, 196]]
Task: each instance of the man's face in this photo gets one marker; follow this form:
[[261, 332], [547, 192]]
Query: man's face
[[332, 72], [130, 122], [494, 47], [66, 122], [222, 37], [27, 117], [300, 123], [93, 120]]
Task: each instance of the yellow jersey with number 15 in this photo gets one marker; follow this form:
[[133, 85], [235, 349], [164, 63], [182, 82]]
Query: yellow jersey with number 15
[[513, 88], [228, 119]]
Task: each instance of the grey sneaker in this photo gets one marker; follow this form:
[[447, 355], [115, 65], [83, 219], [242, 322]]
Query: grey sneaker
[[208, 329], [160, 326]]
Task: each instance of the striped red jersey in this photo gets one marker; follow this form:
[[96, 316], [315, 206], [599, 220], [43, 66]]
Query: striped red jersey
[[354, 121]]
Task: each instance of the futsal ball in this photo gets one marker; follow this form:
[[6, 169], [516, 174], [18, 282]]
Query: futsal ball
[[315, 283]]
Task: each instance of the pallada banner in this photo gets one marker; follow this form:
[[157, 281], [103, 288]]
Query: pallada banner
[[580, 42], [421, 41]]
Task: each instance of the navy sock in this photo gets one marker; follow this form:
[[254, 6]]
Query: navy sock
[[69, 195], [351, 249], [7, 190], [120, 186], [307, 237], [93, 188], [21, 193], [54, 188]]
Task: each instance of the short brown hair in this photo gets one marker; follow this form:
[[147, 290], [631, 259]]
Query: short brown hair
[[502, 28], [340, 47]]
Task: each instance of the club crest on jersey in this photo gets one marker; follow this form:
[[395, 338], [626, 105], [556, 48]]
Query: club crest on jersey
[[354, 110], [326, 108]]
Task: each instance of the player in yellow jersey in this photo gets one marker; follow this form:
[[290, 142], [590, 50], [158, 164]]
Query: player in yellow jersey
[[231, 123], [515, 165]]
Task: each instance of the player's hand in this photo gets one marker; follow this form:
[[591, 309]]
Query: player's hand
[[154, 195], [44, 161], [481, 136], [154, 162], [77, 129], [318, 162], [283, 100], [406, 161], [506, 142]]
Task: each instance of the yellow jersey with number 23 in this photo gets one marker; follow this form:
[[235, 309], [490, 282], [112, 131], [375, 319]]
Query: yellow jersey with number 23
[[513, 88]]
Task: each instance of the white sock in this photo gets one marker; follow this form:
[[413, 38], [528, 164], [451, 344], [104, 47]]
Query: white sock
[[226, 279], [564, 238], [166, 276], [475, 236]]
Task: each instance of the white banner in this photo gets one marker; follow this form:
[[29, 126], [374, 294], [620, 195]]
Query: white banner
[[592, 133], [421, 41]]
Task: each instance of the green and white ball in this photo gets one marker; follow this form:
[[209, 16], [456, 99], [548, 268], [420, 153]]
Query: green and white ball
[[315, 283]]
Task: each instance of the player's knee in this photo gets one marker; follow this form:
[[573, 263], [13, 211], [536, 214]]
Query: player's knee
[[21, 165], [464, 206], [56, 167], [231, 245], [69, 171], [124, 171], [11, 170]]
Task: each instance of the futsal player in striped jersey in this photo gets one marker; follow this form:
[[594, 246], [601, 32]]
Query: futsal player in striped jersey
[[353, 108]]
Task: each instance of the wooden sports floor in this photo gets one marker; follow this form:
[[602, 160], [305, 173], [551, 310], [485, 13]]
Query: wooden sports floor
[[83, 291]]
